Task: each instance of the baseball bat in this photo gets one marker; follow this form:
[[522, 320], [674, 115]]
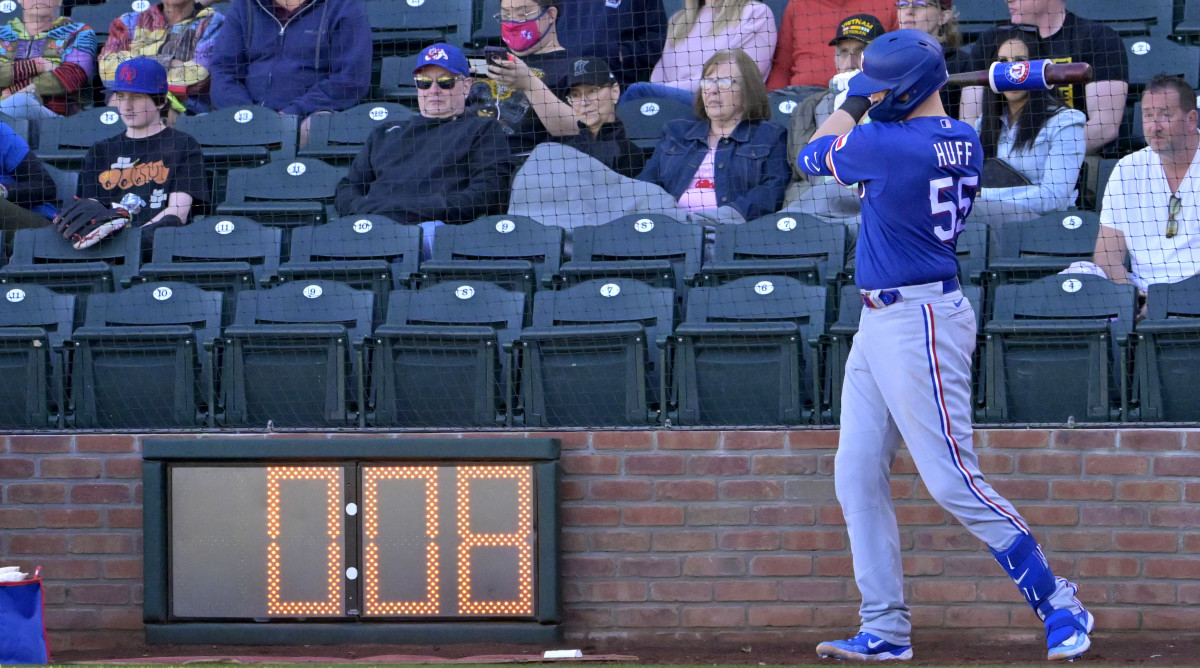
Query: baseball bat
[[1025, 75]]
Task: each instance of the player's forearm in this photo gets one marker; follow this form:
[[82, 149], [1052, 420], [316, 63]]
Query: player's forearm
[[838, 123]]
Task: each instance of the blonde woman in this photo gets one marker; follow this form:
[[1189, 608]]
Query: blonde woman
[[700, 30]]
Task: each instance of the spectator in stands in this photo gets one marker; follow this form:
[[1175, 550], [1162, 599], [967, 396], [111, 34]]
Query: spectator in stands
[[297, 57], [43, 75], [153, 171], [701, 29], [1066, 38], [443, 165], [800, 58], [731, 165], [1152, 202], [180, 35], [27, 192], [627, 34], [593, 96], [527, 92], [940, 19], [1036, 141]]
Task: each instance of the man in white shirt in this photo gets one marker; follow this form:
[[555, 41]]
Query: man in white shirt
[[1152, 201]]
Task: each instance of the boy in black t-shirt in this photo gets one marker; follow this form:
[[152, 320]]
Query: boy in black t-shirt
[[151, 175]]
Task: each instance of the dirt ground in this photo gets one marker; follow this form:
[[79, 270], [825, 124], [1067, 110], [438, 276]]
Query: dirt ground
[[969, 649]]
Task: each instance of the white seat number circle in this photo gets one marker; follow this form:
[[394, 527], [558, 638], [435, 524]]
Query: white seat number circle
[[15, 295], [505, 226], [786, 224], [296, 168], [1072, 222], [109, 117], [224, 227], [610, 290], [140, 5], [415, 3], [764, 287], [649, 109], [362, 226], [162, 293], [464, 292], [643, 225], [787, 107], [1140, 48], [1072, 285], [313, 291], [8, 6], [378, 113], [243, 116]]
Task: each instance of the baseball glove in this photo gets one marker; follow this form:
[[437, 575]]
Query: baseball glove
[[87, 222]]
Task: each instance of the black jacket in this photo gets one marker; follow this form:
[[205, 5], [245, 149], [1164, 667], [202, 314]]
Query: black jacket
[[610, 147]]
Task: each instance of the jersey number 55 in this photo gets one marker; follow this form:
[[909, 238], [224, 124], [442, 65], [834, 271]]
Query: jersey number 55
[[951, 196]]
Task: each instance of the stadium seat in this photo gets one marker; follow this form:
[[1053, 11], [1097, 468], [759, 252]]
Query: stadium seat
[[1189, 25], [396, 80], [979, 16], [408, 27], [745, 354], [645, 118], [366, 252], [485, 30], [225, 254], [1149, 55], [42, 256], [10, 10], [22, 126], [63, 141], [1104, 171], [285, 193], [100, 17], [972, 250], [777, 7], [653, 248], [66, 182], [293, 356], [1167, 354], [143, 359], [515, 252], [594, 353], [783, 103], [441, 359], [1055, 350], [1145, 17], [242, 136], [337, 138], [778, 244], [35, 322], [1046, 245]]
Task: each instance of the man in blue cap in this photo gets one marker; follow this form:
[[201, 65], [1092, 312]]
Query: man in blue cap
[[440, 166], [148, 176]]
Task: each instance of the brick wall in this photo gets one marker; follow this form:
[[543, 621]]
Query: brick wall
[[732, 535]]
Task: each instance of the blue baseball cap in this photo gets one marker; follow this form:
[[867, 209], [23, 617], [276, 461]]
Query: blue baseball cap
[[449, 57], [140, 75]]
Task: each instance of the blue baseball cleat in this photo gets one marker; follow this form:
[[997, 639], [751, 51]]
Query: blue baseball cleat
[[864, 647], [1067, 634]]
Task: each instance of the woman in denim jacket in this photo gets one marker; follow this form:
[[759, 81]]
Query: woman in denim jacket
[[731, 165]]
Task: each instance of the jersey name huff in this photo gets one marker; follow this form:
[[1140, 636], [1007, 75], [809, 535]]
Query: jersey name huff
[[952, 153]]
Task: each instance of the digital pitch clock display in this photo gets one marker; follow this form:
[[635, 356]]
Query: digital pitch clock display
[[356, 540]]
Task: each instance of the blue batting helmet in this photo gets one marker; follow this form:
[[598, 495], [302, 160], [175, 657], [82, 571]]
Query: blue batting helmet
[[909, 64]]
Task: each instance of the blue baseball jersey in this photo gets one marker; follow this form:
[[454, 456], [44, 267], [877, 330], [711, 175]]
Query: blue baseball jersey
[[917, 181]]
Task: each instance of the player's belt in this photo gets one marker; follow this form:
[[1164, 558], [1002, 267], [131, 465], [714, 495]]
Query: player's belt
[[914, 293]]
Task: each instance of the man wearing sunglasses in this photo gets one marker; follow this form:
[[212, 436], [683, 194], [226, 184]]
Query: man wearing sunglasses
[[443, 165], [1150, 203]]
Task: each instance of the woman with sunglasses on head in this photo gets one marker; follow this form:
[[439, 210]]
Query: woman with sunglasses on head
[[940, 19], [731, 165], [527, 91], [1035, 135]]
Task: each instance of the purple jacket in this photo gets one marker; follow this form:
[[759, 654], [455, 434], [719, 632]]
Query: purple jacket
[[319, 60]]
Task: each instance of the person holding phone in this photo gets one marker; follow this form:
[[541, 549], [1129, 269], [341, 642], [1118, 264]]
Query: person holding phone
[[526, 88]]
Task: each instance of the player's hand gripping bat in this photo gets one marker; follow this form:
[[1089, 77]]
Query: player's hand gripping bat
[[1025, 75]]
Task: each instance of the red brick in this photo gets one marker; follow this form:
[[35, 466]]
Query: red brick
[[712, 515], [830, 566], [781, 566], [62, 570], [40, 543], [623, 440], [921, 515], [785, 616], [1178, 516], [1150, 439], [109, 443], [1082, 490], [835, 616], [620, 541], [1173, 568], [36, 493], [122, 468], [58, 618], [98, 594], [102, 543], [1170, 618], [72, 467], [124, 518], [44, 444], [831, 515], [97, 640], [18, 518], [752, 440], [652, 516], [904, 465], [1106, 515], [1078, 541], [581, 463], [1143, 593], [568, 440], [588, 618], [784, 464], [685, 490], [641, 618], [1084, 439], [621, 592], [572, 542], [724, 465], [814, 541], [1017, 438], [1166, 491], [1117, 619], [998, 591], [681, 590], [588, 567], [1189, 594], [977, 617], [687, 440], [746, 590], [71, 518], [130, 620], [15, 467], [591, 515], [572, 490], [919, 564], [1051, 515], [1116, 464], [1191, 543], [655, 464], [752, 490], [1114, 567], [946, 539], [813, 439], [122, 569], [1177, 465], [955, 565], [707, 617], [902, 488], [994, 463], [619, 490], [748, 540], [650, 567], [812, 590], [683, 541], [783, 515], [1055, 463], [939, 590], [1192, 492], [100, 493], [695, 566], [1021, 488]]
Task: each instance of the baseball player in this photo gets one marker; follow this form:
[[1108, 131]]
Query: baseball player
[[908, 375]]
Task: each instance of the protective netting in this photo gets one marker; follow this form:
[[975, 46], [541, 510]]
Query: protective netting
[[575, 213]]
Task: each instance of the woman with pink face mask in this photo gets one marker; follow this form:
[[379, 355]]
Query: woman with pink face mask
[[527, 92]]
